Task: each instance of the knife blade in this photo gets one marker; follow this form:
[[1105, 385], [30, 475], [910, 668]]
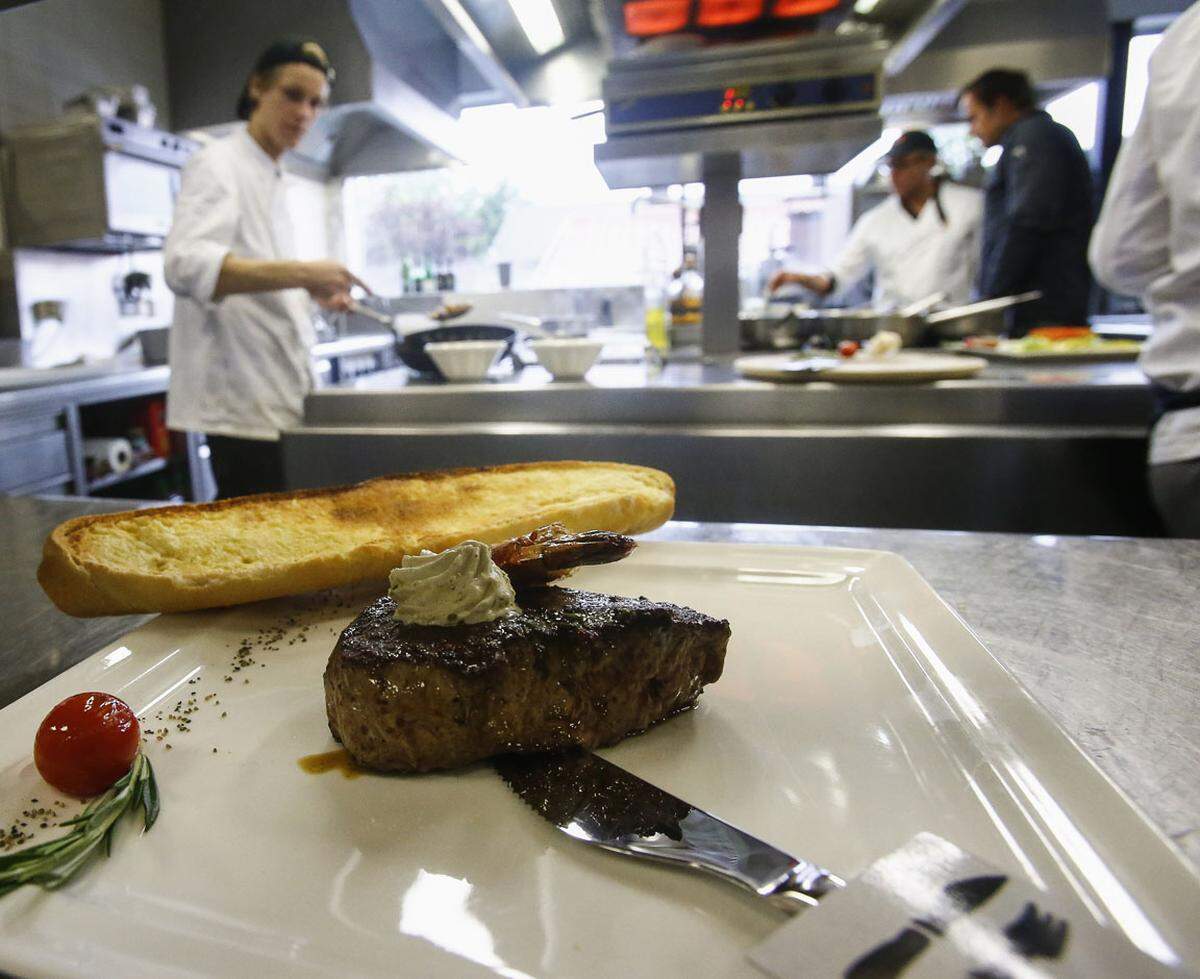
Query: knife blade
[[601, 804]]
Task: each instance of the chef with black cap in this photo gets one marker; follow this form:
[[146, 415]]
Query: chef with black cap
[[922, 240], [241, 339]]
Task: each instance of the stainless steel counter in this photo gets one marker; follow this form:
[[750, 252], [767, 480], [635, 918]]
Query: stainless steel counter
[[713, 394], [109, 386], [61, 387], [43, 413], [1102, 632], [38, 641], [1029, 449]]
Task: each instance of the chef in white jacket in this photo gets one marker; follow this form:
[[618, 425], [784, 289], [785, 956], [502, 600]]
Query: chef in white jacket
[[1147, 243], [241, 339], [923, 239]]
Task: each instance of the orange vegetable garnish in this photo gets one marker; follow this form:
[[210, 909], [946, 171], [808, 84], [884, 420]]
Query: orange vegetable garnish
[[1060, 332]]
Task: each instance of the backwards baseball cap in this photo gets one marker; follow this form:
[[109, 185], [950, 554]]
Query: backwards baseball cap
[[286, 51], [913, 141]]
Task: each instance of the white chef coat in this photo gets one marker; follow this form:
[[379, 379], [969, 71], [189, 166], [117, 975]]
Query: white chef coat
[[240, 365], [915, 257], [1147, 241]]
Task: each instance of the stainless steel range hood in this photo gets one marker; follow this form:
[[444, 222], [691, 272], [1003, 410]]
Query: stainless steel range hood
[[800, 104], [392, 104], [815, 146], [397, 129], [805, 105]]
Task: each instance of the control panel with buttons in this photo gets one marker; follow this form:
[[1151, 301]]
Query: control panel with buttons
[[826, 94]]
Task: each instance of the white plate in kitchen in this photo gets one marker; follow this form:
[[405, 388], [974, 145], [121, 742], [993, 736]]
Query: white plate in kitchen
[[903, 367], [1015, 355], [856, 710]]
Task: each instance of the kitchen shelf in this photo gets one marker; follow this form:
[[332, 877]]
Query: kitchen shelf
[[157, 464]]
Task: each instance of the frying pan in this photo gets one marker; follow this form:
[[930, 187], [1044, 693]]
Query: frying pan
[[411, 347], [410, 344]]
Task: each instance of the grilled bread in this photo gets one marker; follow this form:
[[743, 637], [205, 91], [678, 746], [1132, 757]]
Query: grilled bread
[[180, 558]]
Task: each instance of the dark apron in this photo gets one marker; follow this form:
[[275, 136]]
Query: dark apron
[[1168, 399]]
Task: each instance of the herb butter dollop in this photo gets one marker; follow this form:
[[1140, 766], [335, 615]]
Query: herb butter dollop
[[461, 585]]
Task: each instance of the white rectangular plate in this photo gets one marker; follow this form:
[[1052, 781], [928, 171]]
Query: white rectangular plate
[[1046, 356], [856, 710]]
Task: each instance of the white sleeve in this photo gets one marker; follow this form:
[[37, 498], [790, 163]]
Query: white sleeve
[[1130, 245], [856, 258], [206, 215]]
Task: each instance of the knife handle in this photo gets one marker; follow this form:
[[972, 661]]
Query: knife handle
[[804, 885]]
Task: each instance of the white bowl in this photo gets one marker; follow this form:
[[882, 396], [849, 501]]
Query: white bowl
[[567, 359], [465, 360]]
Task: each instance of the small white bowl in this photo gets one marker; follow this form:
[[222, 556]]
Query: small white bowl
[[567, 359], [465, 360]]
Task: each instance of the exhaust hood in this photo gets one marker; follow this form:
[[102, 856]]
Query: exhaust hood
[[797, 106], [405, 70], [399, 75], [805, 103], [1060, 45]]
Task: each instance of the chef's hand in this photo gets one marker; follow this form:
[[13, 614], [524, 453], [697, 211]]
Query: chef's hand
[[329, 283], [822, 285]]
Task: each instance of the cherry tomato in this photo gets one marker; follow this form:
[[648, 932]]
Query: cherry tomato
[[847, 348], [86, 743]]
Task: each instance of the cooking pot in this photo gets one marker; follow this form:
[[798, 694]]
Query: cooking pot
[[793, 325]]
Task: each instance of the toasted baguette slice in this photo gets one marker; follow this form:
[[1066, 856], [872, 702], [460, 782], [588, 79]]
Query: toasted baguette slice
[[175, 559]]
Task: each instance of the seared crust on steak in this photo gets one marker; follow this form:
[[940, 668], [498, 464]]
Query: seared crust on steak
[[574, 668]]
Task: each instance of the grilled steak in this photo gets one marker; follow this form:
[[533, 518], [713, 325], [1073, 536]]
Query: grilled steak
[[574, 668]]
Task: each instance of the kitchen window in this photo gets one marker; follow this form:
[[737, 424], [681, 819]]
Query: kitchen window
[[1137, 77], [1079, 111], [528, 210]]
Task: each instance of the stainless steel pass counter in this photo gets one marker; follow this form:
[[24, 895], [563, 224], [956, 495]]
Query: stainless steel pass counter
[[1034, 449]]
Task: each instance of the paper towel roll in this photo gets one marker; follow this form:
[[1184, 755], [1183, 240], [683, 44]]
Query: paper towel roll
[[108, 455]]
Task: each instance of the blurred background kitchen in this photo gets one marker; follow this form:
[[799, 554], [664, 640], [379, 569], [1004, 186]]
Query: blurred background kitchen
[[630, 173]]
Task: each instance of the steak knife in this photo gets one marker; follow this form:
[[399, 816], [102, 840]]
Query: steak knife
[[601, 804]]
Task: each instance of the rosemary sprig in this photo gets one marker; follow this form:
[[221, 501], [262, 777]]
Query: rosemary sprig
[[53, 863]]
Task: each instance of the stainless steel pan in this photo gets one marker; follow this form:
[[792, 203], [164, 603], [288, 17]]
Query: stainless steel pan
[[976, 319], [792, 326]]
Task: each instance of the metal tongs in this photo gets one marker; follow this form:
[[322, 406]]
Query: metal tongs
[[372, 314], [986, 306], [443, 314], [922, 306]]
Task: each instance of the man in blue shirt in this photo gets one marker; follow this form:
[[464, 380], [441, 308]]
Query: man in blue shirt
[[1038, 205]]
